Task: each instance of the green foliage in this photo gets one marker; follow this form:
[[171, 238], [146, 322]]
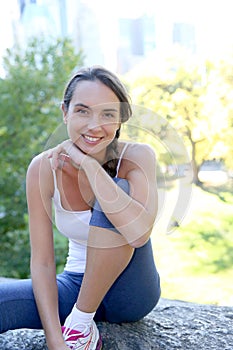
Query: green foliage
[[178, 100], [15, 254], [224, 88], [196, 261], [208, 236], [187, 98], [30, 95], [210, 241]]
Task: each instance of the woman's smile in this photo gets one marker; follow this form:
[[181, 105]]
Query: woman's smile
[[91, 139], [93, 117]]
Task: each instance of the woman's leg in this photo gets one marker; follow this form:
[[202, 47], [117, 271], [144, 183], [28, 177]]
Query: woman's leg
[[18, 307], [135, 293], [108, 254], [69, 284], [104, 265], [115, 270], [121, 283]]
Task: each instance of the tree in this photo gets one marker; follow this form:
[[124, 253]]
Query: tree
[[30, 95], [224, 87], [180, 98]]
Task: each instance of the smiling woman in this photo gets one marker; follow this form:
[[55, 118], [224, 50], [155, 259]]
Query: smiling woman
[[104, 195], [92, 119]]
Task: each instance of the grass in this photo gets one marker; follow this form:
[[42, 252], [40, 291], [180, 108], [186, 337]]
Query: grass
[[196, 260]]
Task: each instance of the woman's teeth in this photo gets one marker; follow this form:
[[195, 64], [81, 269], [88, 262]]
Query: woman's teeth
[[91, 139]]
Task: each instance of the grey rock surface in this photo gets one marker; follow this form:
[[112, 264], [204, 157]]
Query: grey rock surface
[[171, 325]]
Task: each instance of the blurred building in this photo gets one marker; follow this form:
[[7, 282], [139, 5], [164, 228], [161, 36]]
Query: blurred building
[[132, 39], [61, 18], [114, 34]]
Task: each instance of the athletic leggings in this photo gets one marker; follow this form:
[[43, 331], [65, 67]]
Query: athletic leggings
[[132, 296]]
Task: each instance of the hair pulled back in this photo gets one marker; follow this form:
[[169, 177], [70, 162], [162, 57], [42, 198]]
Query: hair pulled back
[[112, 81]]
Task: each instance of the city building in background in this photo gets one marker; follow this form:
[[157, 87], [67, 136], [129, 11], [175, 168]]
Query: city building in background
[[121, 35]]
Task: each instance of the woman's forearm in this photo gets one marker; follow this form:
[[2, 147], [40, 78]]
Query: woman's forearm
[[133, 215], [45, 291], [129, 216]]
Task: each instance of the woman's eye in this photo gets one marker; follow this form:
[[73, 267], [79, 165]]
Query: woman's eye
[[82, 112], [110, 115]]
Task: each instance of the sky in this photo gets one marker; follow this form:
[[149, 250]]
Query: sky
[[212, 17], [6, 16]]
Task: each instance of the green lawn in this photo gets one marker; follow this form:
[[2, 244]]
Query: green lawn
[[196, 260]]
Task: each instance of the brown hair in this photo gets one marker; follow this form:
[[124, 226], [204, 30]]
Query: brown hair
[[112, 81]]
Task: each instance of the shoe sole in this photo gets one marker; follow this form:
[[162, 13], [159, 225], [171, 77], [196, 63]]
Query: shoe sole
[[99, 344]]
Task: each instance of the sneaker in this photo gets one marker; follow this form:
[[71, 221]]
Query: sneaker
[[89, 339]]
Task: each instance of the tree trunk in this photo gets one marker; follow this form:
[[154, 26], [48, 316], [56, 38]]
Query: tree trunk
[[195, 167]]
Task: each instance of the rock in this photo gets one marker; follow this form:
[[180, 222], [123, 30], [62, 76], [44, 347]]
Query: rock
[[23, 339], [171, 325]]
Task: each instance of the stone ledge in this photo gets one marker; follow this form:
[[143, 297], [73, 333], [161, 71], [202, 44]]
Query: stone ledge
[[171, 325]]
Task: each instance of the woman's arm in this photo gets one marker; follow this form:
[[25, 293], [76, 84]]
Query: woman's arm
[[134, 214], [43, 269]]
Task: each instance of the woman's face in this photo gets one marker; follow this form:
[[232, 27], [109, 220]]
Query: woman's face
[[93, 117]]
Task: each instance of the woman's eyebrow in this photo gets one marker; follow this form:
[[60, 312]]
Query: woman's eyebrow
[[107, 109], [81, 105]]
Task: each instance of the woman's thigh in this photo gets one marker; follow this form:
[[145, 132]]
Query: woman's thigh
[[18, 307]]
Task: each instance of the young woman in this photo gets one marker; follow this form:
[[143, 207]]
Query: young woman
[[105, 201]]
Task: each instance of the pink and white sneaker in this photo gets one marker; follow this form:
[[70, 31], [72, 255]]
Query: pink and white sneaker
[[89, 339]]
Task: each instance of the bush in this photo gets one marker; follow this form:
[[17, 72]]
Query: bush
[[30, 95], [15, 257]]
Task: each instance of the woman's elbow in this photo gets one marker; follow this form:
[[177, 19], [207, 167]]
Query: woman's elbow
[[141, 241]]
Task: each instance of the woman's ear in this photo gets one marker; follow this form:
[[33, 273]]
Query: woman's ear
[[64, 111]]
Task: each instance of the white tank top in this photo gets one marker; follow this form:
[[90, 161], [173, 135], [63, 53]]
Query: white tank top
[[75, 226]]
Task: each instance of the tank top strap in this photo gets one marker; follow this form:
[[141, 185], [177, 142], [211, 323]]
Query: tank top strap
[[120, 158], [54, 176]]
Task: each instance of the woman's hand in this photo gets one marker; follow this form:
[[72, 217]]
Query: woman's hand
[[57, 345], [69, 148], [61, 347]]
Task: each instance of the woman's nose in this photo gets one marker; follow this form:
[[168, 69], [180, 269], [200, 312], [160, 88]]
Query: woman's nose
[[95, 122]]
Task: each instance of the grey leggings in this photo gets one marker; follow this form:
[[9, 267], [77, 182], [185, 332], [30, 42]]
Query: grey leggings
[[132, 296]]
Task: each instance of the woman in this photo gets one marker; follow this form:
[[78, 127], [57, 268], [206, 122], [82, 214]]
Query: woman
[[105, 201]]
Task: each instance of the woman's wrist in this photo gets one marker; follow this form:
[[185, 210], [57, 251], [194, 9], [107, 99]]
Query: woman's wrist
[[89, 163], [56, 343]]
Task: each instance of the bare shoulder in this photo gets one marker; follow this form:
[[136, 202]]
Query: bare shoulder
[[40, 172], [139, 153], [137, 157], [38, 163]]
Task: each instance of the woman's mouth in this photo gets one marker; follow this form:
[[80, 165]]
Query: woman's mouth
[[91, 139]]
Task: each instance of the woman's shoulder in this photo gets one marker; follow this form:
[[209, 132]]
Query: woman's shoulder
[[39, 166], [137, 150], [136, 156], [39, 176]]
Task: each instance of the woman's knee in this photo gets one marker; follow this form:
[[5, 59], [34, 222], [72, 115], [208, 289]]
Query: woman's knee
[[131, 312], [99, 219]]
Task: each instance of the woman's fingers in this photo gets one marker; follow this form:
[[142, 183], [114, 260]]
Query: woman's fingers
[[68, 148], [54, 154]]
